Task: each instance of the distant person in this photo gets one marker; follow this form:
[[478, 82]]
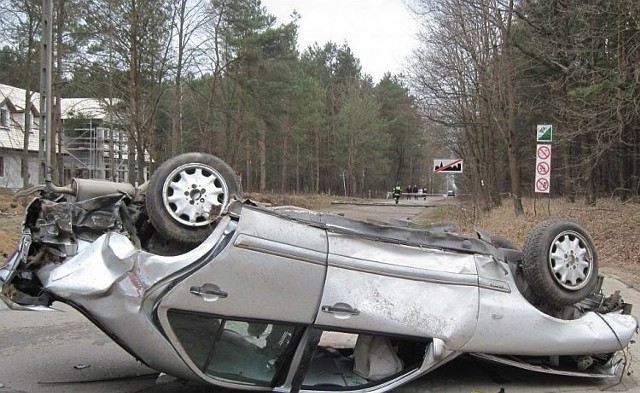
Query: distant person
[[415, 191], [408, 191], [397, 191]]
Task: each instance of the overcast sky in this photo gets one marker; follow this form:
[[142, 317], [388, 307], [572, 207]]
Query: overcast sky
[[381, 33]]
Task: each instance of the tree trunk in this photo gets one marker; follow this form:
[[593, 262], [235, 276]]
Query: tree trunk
[[284, 169], [247, 171], [140, 158], [131, 160], [494, 192], [176, 129], [297, 168], [134, 128], [589, 172], [514, 164], [262, 149], [316, 161], [516, 193]]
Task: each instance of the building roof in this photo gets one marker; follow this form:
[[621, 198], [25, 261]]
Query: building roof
[[14, 100], [13, 137], [90, 108], [15, 97]]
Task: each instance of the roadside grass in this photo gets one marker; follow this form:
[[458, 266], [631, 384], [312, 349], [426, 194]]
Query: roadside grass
[[442, 212], [307, 201], [11, 217], [613, 225]]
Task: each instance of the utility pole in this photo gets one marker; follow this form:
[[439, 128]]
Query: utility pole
[[46, 104]]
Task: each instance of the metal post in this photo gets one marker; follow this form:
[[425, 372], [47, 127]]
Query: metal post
[[46, 104]]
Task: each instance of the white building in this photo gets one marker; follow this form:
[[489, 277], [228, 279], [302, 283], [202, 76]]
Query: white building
[[92, 147], [12, 125]]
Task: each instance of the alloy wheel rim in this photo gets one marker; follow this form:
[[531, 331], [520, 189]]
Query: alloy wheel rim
[[194, 194], [571, 260]]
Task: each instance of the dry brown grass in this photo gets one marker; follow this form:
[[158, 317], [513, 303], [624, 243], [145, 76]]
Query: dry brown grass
[[11, 217], [613, 225], [307, 201]]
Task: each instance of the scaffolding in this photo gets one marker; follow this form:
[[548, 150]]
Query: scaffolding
[[95, 152]]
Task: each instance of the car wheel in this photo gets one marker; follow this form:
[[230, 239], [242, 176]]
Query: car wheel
[[187, 193], [560, 262]]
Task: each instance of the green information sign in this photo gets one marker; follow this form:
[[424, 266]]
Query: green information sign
[[544, 133]]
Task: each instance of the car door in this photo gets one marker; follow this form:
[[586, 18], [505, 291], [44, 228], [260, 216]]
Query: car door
[[400, 290], [237, 319]]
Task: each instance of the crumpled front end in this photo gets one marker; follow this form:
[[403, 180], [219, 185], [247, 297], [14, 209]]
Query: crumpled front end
[[117, 285], [62, 256], [52, 233]]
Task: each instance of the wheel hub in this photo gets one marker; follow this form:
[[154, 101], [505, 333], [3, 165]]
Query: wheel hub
[[571, 260], [194, 194]]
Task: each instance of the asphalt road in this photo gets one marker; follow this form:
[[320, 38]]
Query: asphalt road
[[63, 352]]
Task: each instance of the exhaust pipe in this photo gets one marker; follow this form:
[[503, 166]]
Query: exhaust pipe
[[84, 189], [90, 188]]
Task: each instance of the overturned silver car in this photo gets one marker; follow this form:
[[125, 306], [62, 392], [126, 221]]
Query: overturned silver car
[[197, 283]]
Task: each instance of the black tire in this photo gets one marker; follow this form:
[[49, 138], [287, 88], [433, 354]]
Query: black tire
[[188, 193], [560, 262]]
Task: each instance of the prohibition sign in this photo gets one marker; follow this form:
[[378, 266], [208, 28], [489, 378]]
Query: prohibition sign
[[544, 152], [542, 185], [543, 168]]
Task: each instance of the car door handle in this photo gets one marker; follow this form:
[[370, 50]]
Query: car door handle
[[341, 309], [208, 290]]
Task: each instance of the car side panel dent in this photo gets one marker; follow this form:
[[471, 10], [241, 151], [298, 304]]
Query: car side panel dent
[[93, 270], [400, 306], [405, 290], [97, 267]]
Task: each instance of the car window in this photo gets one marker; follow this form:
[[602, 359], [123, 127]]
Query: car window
[[249, 352], [346, 361], [196, 334]]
